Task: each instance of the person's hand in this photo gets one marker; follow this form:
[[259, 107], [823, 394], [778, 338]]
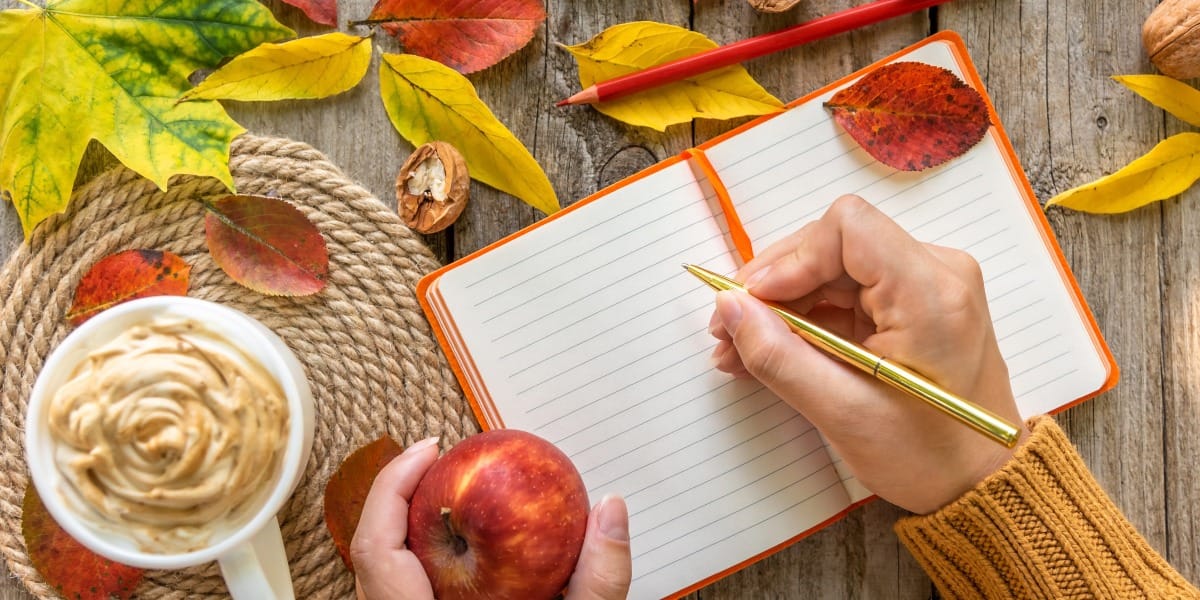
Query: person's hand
[[387, 570], [859, 274]]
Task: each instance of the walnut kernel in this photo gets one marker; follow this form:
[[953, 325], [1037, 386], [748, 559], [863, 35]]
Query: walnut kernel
[[432, 187]]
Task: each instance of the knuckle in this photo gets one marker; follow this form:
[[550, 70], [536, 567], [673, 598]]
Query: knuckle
[[766, 361]]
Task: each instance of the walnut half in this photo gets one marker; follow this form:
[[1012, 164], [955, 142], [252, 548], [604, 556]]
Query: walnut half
[[433, 187], [773, 6]]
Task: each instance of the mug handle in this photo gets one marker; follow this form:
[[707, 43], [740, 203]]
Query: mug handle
[[257, 569]]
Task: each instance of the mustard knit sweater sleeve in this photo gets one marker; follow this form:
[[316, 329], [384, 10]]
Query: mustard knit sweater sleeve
[[1040, 527]]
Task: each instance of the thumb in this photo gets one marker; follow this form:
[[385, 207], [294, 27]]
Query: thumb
[[605, 568], [771, 352]]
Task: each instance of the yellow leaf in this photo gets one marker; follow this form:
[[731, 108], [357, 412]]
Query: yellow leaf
[[1167, 170], [427, 101], [111, 71], [721, 94], [1169, 94], [311, 67]]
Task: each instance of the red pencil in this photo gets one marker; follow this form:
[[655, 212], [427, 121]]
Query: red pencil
[[823, 27]]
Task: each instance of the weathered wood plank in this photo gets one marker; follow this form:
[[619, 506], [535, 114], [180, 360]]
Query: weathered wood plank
[[1048, 66]]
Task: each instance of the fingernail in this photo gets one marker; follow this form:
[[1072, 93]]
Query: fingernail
[[421, 445], [757, 277], [613, 518], [730, 310]]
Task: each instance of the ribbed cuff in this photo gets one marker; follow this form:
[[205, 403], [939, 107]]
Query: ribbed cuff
[[1040, 527]]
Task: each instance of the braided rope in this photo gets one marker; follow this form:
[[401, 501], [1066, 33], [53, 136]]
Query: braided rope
[[366, 347]]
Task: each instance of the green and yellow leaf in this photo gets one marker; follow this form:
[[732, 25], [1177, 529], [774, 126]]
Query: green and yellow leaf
[[721, 94], [307, 68], [1167, 170], [427, 101], [89, 69], [1167, 93]]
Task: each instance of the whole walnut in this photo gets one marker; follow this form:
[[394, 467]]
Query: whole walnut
[[1171, 35], [773, 6]]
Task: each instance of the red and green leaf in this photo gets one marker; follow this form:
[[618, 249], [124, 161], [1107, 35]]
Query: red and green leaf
[[465, 35], [347, 491], [126, 276], [267, 245], [911, 116], [74, 571], [323, 12]]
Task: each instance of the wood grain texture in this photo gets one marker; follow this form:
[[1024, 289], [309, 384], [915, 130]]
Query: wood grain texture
[[1046, 65]]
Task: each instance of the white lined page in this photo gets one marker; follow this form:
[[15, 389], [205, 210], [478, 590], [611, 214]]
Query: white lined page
[[589, 333], [792, 172]]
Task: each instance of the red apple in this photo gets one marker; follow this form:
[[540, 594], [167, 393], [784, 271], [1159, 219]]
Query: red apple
[[500, 516]]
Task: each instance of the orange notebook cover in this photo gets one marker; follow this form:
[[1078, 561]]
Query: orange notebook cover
[[583, 328]]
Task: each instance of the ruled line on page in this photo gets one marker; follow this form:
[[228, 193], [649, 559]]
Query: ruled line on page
[[567, 261], [633, 426], [677, 429], [793, 506], [590, 293], [727, 471], [770, 146], [571, 233], [662, 457], [644, 531]]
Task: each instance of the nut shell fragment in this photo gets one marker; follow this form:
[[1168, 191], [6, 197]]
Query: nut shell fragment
[[433, 187], [1171, 35], [773, 6]]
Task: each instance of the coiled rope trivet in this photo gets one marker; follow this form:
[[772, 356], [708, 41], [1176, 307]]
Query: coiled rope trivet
[[366, 347]]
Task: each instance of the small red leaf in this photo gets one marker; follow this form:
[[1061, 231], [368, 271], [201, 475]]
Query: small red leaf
[[347, 491], [911, 116], [76, 572], [323, 12], [125, 276], [465, 35], [266, 245]]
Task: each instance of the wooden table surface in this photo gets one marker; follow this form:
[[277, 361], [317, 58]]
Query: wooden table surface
[[1046, 65]]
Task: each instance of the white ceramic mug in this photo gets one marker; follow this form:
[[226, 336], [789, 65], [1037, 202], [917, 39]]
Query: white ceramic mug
[[252, 557]]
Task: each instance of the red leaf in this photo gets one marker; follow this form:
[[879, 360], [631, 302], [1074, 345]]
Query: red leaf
[[323, 12], [465, 35], [266, 245], [76, 572], [911, 116], [125, 276], [347, 491]]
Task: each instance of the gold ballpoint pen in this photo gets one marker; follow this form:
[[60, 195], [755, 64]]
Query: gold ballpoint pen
[[897, 376]]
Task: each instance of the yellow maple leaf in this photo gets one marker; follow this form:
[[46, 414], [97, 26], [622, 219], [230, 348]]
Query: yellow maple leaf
[[78, 70], [721, 94], [1167, 170], [427, 101], [1167, 93], [311, 67]]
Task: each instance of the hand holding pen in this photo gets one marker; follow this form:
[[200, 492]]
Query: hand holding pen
[[857, 273]]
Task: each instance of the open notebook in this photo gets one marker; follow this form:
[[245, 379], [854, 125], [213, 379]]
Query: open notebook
[[584, 329]]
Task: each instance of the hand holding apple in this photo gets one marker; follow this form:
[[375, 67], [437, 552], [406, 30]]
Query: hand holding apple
[[387, 569]]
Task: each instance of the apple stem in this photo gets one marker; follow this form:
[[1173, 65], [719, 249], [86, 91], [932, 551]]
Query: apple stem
[[460, 544]]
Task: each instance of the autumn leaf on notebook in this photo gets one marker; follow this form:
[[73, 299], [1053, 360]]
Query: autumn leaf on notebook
[[911, 116]]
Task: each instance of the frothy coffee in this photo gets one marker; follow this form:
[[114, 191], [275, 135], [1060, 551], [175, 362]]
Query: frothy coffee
[[168, 434]]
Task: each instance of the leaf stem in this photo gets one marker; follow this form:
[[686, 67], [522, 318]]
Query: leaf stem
[[31, 5]]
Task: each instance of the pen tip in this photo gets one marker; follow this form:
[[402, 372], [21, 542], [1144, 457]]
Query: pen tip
[[563, 102]]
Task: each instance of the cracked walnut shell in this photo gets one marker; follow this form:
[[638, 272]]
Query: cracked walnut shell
[[432, 187]]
